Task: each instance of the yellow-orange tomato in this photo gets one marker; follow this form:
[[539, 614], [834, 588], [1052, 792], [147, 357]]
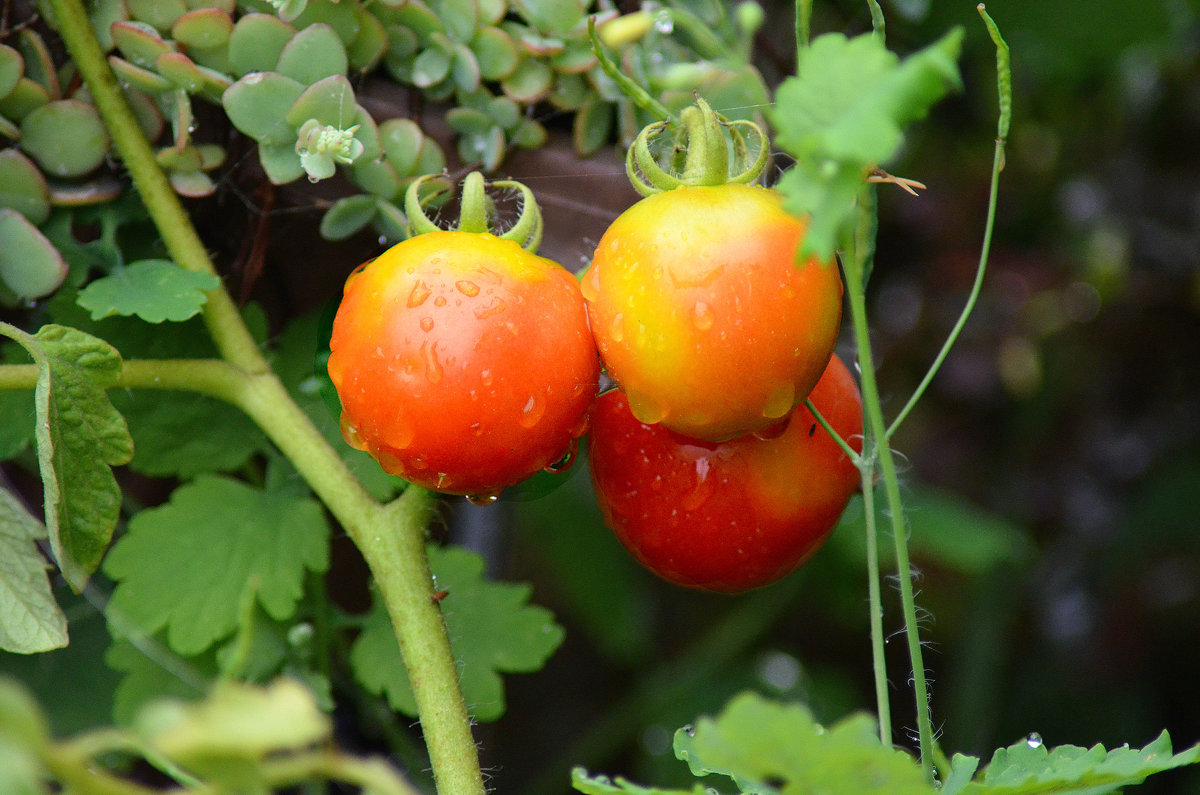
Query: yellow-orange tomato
[[463, 362], [702, 314]]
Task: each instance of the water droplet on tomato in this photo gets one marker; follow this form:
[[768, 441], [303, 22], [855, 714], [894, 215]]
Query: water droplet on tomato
[[439, 301], [419, 463], [350, 434], [485, 377], [420, 292], [468, 288], [433, 367], [493, 307], [773, 430], [702, 489], [616, 328], [645, 408], [581, 427], [477, 428], [532, 411], [426, 324], [780, 402], [589, 285], [483, 500], [702, 316], [566, 461]]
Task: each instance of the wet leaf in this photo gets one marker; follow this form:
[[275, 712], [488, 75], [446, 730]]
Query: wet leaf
[[153, 289], [66, 138], [258, 104]]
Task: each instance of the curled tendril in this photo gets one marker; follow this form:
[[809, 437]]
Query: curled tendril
[[701, 154], [476, 209]]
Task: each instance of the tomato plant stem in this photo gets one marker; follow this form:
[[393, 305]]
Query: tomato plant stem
[[875, 601], [854, 266]]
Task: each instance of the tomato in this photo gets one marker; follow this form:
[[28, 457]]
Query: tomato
[[726, 516], [702, 314], [463, 362]]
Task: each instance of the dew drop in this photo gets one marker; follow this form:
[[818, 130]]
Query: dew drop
[[616, 329], [433, 367], [426, 323], [702, 316], [773, 430], [419, 463], [702, 488], [477, 428], [420, 292], [664, 23], [566, 461], [485, 377], [468, 288], [493, 307], [780, 402], [645, 408], [389, 462], [350, 434], [589, 285], [483, 500], [532, 411], [439, 301], [1034, 740]]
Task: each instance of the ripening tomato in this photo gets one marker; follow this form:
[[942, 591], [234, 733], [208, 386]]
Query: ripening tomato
[[702, 314], [726, 516], [463, 362]]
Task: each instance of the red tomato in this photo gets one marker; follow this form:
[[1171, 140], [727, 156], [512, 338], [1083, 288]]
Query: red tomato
[[702, 314], [463, 362], [726, 516]]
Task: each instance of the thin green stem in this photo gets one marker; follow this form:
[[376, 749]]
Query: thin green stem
[[878, 23], [877, 432], [850, 452], [875, 601], [803, 26]]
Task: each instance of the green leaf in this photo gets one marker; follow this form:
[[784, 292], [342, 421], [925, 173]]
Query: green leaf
[[492, 631], [843, 113], [313, 54], [153, 289], [185, 565], [256, 42], [258, 104], [79, 437], [152, 672], [602, 785], [1029, 766], [767, 747], [30, 619], [22, 187], [66, 138], [30, 265]]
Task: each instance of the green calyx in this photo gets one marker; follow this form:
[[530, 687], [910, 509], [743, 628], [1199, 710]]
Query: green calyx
[[477, 209], [708, 150]]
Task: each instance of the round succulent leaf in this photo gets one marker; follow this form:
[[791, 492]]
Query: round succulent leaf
[[491, 12], [191, 77], [258, 105], [193, 184], [179, 104], [442, 92], [465, 69], [431, 159], [12, 67], [22, 187], [330, 101], [496, 53], [30, 265], [486, 148], [280, 162], [403, 44], [531, 41], [340, 15], [459, 16], [529, 134], [65, 137], [256, 42], [147, 112], [401, 140], [139, 43], [367, 134], [389, 221], [100, 189], [9, 130], [417, 17], [103, 13], [130, 74], [576, 58], [316, 52], [161, 14], [347, 216], [211, 156], [570, 92], [369, 46], [185, 159], [551, 16], [228, 6], [27, 97], [431, 67], [593, 127], [214, 58], [530, 82], [39, 65], [469, 121], [205, 27], [504, 112], [377, 177]]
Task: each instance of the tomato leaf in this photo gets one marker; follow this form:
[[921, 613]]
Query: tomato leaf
[[1029, 766], [153, 289], [80, 436], [30, 619], [843, 113], [184, 566], [603, 785], [492, 631], [151, 672]]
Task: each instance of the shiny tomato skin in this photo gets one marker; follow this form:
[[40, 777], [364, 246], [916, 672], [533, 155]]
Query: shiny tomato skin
[[726, 516], [702, 314], [464, 363]]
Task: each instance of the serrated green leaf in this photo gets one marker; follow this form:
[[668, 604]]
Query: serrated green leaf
[[1029, 766], [492, 630], [153, 289], [843, 113], [153, 672], [184, 566], [768, 747], [80, 436], [30, 619]]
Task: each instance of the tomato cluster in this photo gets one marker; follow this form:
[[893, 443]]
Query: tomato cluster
[[465, 363]]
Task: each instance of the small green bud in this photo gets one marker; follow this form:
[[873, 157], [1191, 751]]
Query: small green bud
[[322, 147], [625, 29], [749, 17]]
